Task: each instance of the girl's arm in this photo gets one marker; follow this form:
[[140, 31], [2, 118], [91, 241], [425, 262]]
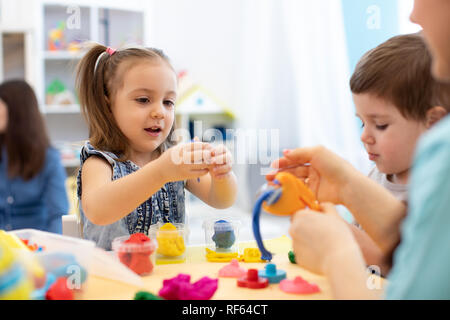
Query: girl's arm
[[217, 193], [219, 188], [105, 201]]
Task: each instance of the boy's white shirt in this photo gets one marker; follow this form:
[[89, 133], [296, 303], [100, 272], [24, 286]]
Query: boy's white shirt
[[400, 191]]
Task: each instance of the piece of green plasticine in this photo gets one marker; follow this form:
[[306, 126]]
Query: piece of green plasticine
[[291, 256]]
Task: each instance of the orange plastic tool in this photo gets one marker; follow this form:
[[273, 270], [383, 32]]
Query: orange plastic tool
[[295, 196]]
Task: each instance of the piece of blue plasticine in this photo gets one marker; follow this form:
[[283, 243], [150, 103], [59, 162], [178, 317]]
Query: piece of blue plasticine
[[273, 274], [224, 236]]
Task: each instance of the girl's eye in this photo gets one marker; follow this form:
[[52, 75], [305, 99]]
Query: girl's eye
[[383, 127], [143, 100]]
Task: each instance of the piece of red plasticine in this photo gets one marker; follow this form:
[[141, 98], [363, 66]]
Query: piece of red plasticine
[[252, 280], [179, 288], [139, 261], [299, 286], [59, 290]]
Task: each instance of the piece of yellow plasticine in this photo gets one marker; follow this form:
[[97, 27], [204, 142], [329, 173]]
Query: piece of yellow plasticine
[[170, 243]]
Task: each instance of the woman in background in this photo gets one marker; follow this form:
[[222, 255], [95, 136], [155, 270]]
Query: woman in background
[[32, 178]]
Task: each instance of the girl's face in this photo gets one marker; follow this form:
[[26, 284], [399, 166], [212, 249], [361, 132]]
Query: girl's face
[[3, 117], [389, 138], [144, 107]]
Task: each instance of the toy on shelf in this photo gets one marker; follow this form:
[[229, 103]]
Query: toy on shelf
[[286, 195], [136, 252], [180, 288], [298, 286], [171, 240], [57, 94], [221, 237], [273, 274], [56, 37], [252, 280], [232, 270]]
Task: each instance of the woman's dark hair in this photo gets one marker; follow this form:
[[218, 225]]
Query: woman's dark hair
[[25, 138]]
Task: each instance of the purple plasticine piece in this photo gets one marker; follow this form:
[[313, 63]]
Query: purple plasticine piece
[[203, 289], [179, 288], [232, 270], [298, 286]]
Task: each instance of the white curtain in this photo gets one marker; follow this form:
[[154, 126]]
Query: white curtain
[[295, 77]]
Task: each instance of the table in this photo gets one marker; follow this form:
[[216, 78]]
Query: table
[[197, 266]]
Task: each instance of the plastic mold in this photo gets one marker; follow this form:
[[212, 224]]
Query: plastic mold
[[298, 286], [232, 270], [253, 281], [273, 274]]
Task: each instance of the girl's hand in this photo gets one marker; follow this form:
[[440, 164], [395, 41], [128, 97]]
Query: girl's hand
[[324, 172], [185, 161], [317, 237], [221, 162]]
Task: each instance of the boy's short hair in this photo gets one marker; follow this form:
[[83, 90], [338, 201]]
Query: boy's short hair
[[399, 71]]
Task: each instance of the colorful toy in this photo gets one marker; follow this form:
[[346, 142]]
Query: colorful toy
[[60, 264], [32, 246], [252, 280], [57, 94], [251, 255], [135, 252], [145, 295], [214, 256], [286, 195], [272, 274], [59, 290], [180, 288], [223, 234], [291, 257], [232, 270], [39, 293], [14, 281], [298, 286], [56, 39]]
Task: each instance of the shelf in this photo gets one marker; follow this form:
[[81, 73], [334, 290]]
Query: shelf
[[59, 109], [62, 55], [71, 163]]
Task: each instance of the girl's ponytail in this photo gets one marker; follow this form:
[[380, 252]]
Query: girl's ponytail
[[94, 99]]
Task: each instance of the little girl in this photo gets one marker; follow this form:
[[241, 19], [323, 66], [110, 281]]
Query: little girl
[[131, 175]]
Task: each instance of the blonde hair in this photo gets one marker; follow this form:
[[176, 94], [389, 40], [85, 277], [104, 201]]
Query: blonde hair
[[97, 81]]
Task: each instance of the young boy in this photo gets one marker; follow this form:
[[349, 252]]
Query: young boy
[[397, 100]]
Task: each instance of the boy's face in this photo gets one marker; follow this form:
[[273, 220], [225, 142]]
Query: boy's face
[[434, 17], [389, 138], [144, 107]]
